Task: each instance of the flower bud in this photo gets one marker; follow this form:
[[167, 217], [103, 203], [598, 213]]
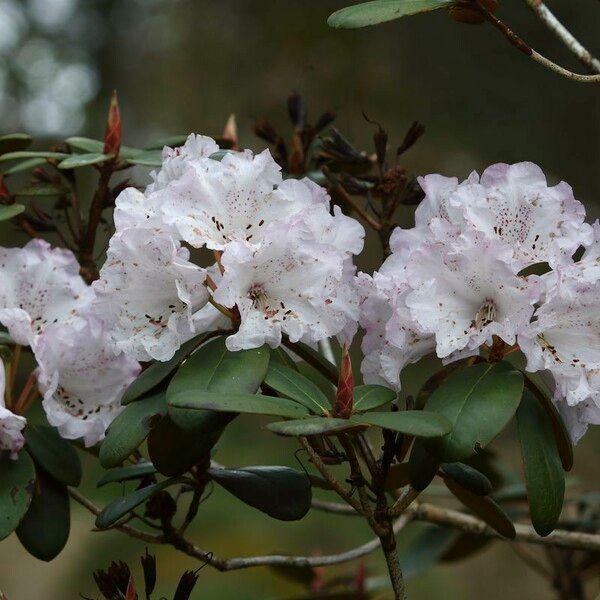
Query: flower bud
[[472, 16], [345, 389], [112, 134]]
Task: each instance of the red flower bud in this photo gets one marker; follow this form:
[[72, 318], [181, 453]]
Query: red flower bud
[[345, 389], [112, 134]]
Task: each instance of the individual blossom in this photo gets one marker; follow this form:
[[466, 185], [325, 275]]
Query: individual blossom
[[217, 202], [577, 418], [11, 425], [512, 203], [39, 285], [564, 338], [465, 291], [150, 293], [392, 338], [286, 285], [81, 379]]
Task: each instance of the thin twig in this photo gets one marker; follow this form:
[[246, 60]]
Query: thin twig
[[523, 47], [232, 564], [564, 35], [558, 538]]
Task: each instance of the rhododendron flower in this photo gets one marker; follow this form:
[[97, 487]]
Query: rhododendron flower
[[577, 418], [464, 292], [81, 378], [39, 285], [392, 338], [216, 202], [512, 203], [565, 337], [149, 292], [11, 425], [286, 285]]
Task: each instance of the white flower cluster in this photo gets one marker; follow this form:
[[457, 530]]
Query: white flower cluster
[[45, 304], [284, 261], [457, 279]]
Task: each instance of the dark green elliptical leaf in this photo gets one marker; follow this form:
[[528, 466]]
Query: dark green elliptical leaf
[[313, 426], [543, 470], [17, 479], [368, 397], [121, 507], [468, 477], [485, 508], [158, 371], [8, 211], [130, 429], [425, 549], [420, 423], [291, 384], [216, 370], [136, 471], [422, 466], [478, 401], [381, 11], [54, 454], [280, 492], [44, 530]]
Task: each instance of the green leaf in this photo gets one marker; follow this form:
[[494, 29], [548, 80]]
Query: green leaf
[[561, 434], [420, 423], [281, 357], [239, 403], [149, 158], [318, 379], [290, 383], [213, 368], [124, 505], [313, 426], [426, 549], [44, 530], [14, 142], [97, 147], [397, 477], [25, 165], [368, 397], [173, 142], [33, 154], [158, 371], [10, 211], [485, 508], [280, 492], [543, 470], [42, 189], [422, 466], [468, 477], [174, 451], [130, 429], [54, 454], [381, 11], [17, 479], [75, 161], [478, 401], [137, 471]]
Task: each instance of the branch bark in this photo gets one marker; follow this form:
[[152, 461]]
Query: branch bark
[[547, 17]]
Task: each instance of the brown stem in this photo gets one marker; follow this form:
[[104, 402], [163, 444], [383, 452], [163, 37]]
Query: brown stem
[[89, 268]]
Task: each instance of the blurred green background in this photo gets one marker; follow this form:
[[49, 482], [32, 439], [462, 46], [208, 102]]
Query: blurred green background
[[185, 65]]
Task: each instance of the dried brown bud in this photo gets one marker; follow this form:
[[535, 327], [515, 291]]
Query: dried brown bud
[[325, 120], [463, 13], [345, 389], [297, 110], [186, 585], [149, 567], [112, 134], [415, 131]]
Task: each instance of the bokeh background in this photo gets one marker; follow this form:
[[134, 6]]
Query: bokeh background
[[185, 65]]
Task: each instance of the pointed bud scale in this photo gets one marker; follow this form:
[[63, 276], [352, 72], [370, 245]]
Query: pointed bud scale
[[112, 134], [230, 131], [345, 389]]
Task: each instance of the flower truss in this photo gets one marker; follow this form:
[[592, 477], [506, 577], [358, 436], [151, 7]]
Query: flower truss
[[459, 280], [283, 259]]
